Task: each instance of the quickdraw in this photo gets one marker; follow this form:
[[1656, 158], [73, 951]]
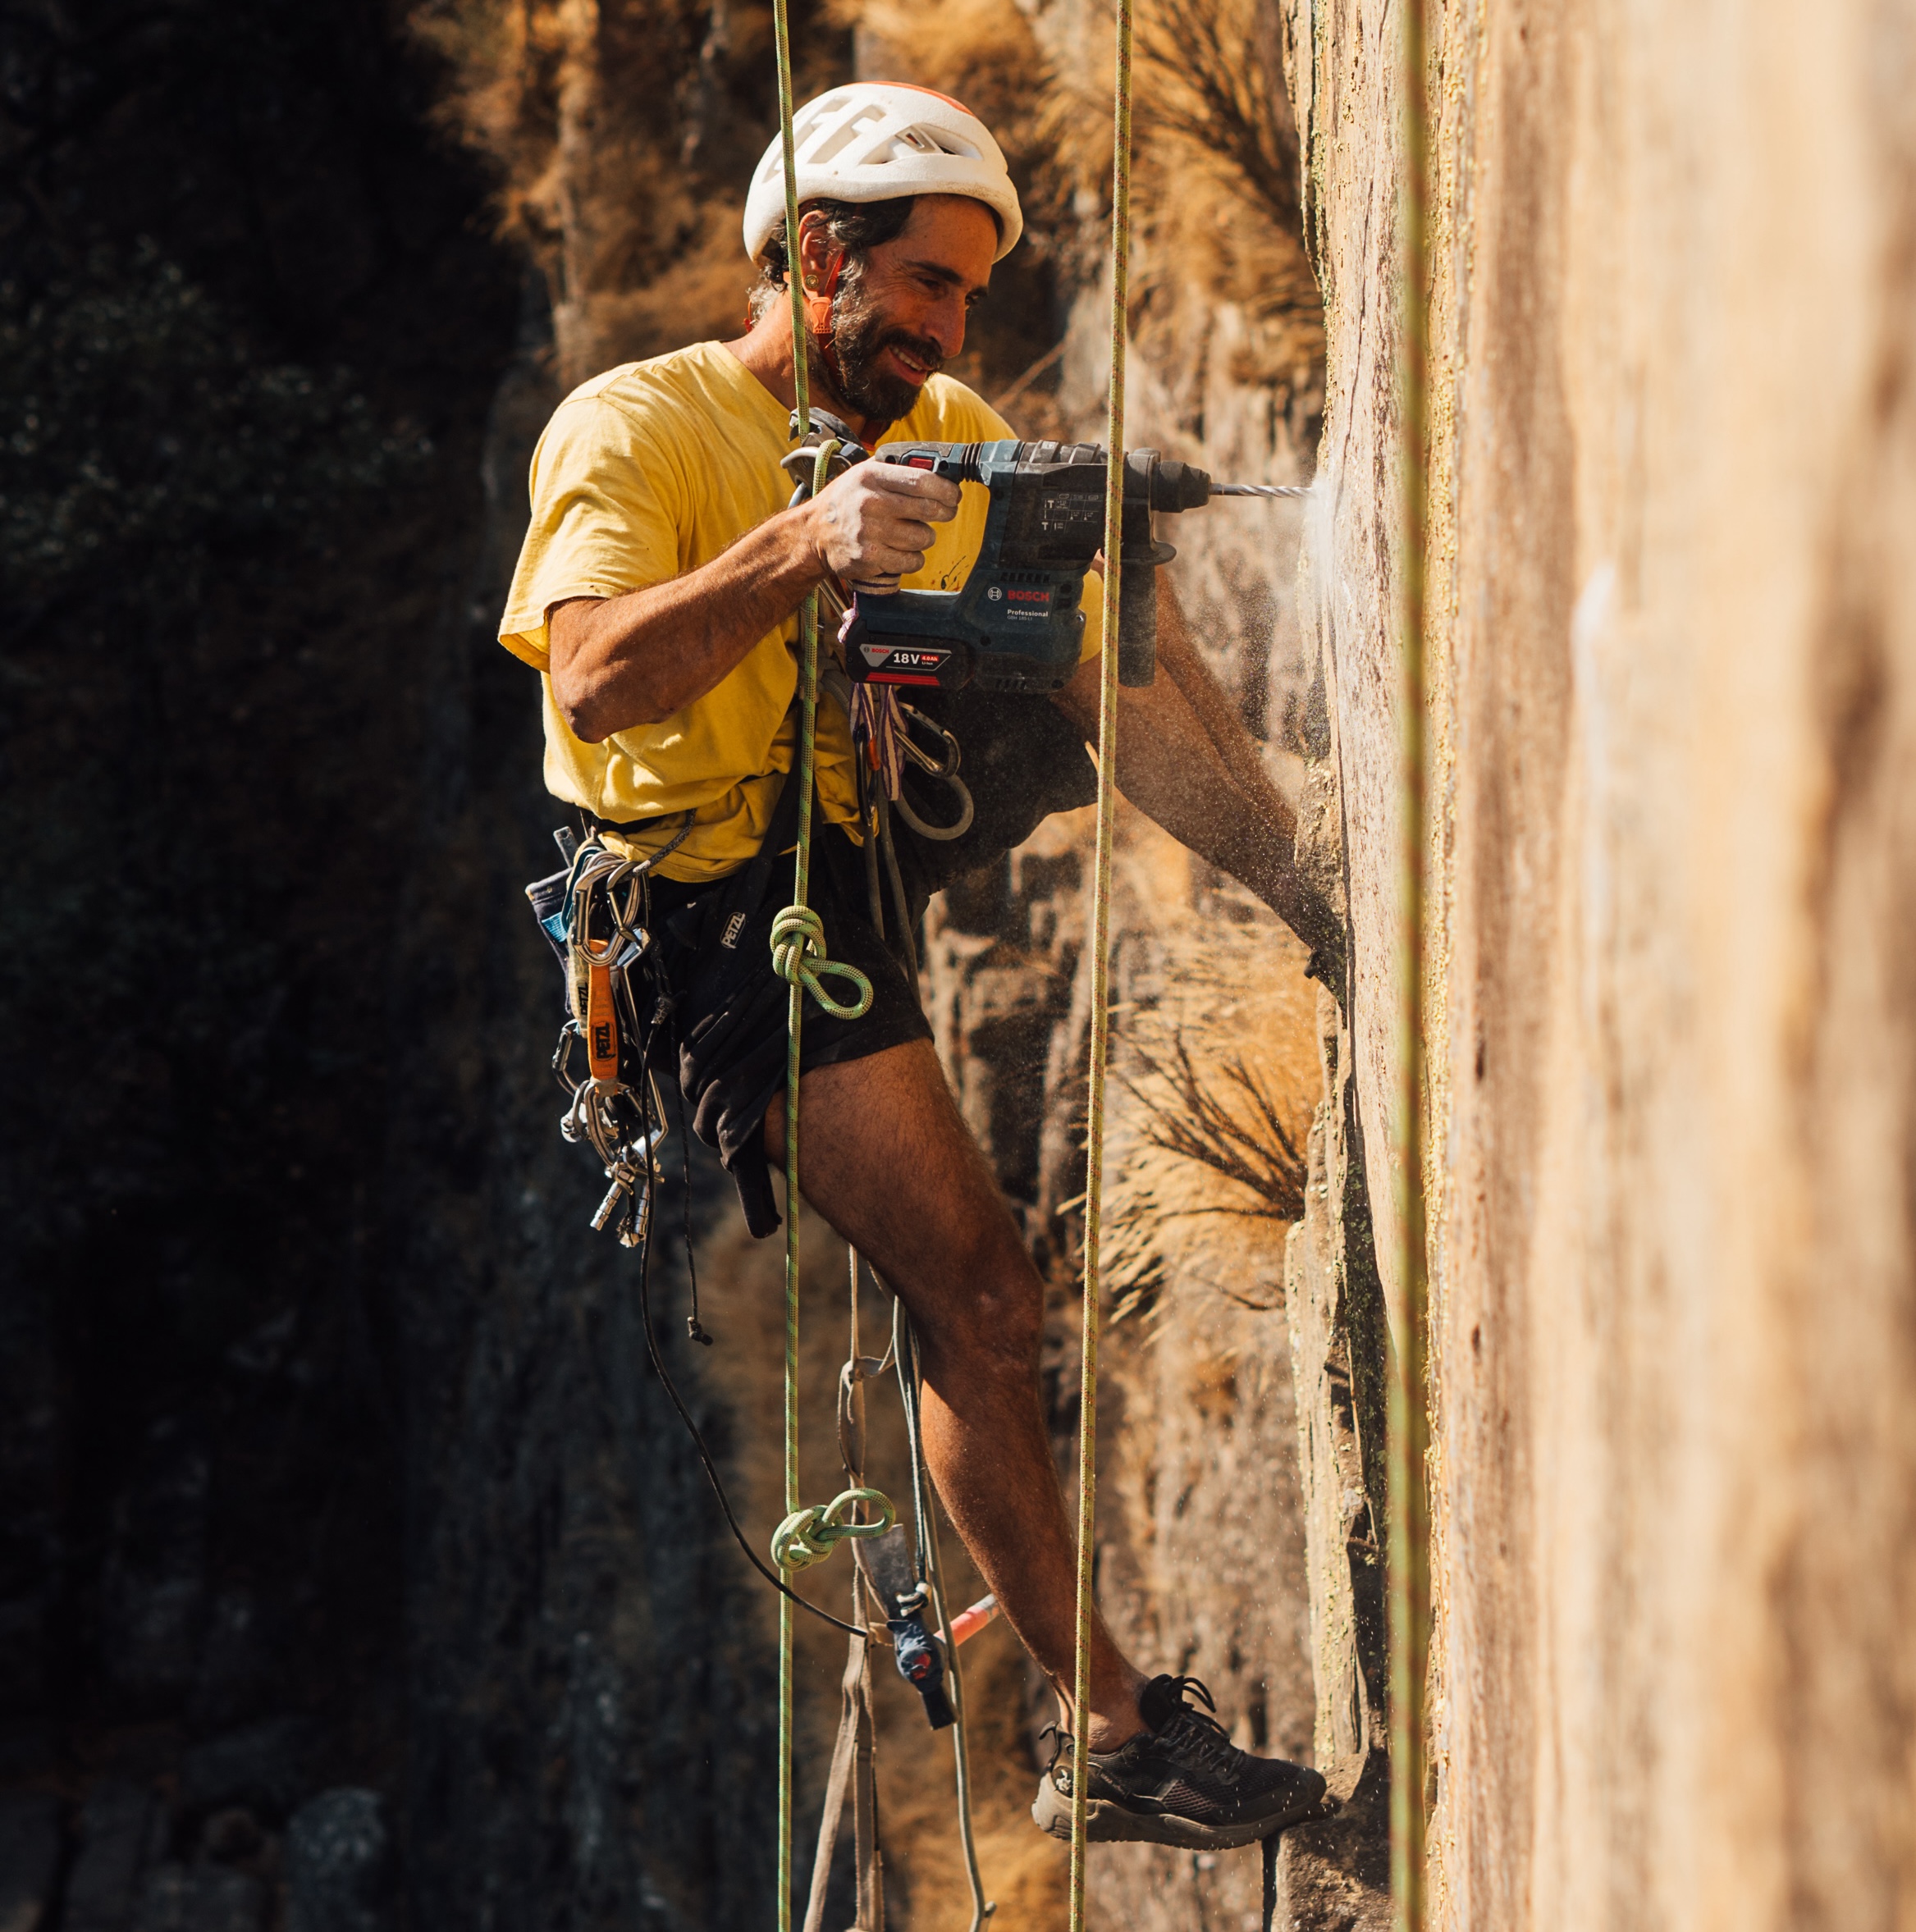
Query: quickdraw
[[594, 913], [881, 733]]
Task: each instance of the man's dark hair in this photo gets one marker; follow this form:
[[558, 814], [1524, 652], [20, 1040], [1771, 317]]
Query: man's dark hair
[[856, 227]]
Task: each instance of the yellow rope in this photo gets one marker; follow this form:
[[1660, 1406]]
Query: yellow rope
[[1407, 1416], [1088, 1438]]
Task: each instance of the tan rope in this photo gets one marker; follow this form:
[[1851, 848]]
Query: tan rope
[[1087, 1435], [1407, 1421]]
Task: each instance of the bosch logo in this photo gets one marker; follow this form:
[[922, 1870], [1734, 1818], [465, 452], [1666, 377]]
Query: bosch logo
[[995, 593]]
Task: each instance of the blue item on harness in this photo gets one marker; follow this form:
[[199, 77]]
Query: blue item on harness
[[920, 1663]]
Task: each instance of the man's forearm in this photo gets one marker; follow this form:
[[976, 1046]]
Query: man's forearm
[[1170, 769], [624, 661], [1223, 726], [619, 662]]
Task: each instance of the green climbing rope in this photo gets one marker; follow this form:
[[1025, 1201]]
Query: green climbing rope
[[795, 1012], [1087, 1438], [809, 1535], [797, 954], [806, 1536]]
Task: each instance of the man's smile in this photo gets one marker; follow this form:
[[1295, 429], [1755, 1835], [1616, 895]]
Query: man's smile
[[911, 367]]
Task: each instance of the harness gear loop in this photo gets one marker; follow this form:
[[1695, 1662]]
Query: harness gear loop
[[1100, 946], [809, 1535], [798, 957]]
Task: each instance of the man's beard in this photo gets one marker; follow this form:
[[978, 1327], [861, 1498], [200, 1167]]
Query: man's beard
[[859, 335]]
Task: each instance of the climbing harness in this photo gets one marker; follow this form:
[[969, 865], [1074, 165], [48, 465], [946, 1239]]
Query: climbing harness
[[596, 915]]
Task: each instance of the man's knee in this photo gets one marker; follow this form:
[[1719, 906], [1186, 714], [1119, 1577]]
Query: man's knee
[[991, 1315]]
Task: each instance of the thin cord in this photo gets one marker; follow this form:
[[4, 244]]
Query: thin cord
[[705, 1455], [693, 1326], [904, 1358], [931, 1577]]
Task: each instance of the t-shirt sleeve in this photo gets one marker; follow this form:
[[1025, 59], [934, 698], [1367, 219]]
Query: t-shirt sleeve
[[605, 517]]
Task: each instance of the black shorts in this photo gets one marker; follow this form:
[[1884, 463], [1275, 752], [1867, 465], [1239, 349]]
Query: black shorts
[[1021, 761]]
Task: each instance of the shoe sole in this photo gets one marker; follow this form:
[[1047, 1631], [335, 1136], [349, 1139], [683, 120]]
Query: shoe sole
[[1109, 1824]]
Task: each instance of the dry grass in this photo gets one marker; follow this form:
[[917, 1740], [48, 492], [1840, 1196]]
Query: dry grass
[[1206, 1158], [623, 132], [1225, 1119]]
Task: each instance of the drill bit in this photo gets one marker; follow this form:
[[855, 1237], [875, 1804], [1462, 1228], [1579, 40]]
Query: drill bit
[[1260, 489]]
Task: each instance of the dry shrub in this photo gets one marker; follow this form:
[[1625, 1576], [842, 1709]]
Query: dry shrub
[[1211, 88], [1205, 1164], [623, 132], [1220, 183]]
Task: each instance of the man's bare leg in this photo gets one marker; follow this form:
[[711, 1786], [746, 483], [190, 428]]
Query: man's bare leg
[[885, 1156]]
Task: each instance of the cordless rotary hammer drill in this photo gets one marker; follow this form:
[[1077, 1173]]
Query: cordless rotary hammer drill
[[1015, 625]]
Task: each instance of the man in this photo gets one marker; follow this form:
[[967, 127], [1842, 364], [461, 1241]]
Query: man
[[657, 592]]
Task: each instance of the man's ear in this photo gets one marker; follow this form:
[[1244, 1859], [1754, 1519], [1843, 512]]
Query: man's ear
[[821, 266]]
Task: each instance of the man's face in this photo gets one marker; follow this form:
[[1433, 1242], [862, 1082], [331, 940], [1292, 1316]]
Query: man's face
[[900, 313]]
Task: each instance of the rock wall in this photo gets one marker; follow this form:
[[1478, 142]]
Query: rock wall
[[1672, 655]]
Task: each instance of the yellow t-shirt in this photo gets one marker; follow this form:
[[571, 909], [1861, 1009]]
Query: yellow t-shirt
[[649, 471]]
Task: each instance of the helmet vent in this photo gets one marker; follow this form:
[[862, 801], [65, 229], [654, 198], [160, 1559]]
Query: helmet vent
[[877, 140], [842, 137]]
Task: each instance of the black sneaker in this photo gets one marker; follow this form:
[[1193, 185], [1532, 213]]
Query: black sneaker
[[1180, 1781]]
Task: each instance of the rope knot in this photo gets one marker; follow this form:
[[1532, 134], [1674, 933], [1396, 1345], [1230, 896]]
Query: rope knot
[[798, 957], [807, 1536]]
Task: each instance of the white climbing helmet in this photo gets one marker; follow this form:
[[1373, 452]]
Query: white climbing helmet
[[875, 139]]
